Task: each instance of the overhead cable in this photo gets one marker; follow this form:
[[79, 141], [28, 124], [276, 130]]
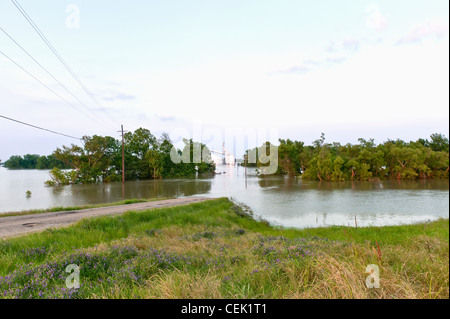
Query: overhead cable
[[40, 128], [46, 86], [52, 48], [50, 74]]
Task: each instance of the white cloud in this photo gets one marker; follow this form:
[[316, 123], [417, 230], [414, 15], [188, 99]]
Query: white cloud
[[378, 82], [351, 44], [432, 28], [375, 20]]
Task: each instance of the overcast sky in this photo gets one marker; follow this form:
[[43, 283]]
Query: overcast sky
[[283, 69]]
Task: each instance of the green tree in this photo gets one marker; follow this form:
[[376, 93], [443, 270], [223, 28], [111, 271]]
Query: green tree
[[30, 161], [352, 165], [94, 161], [407, 162], [439, 143], [431, 163], [156, 162], [321, 165], [42, 162], [289, 157], [14, 162], [337, 174], [59, 177], [165, 148], [137, 144]]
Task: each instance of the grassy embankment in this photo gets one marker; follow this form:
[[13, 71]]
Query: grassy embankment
[[214, 250], [61, 208]]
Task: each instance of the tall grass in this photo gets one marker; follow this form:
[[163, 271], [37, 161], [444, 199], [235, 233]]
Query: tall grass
[[213, 250]]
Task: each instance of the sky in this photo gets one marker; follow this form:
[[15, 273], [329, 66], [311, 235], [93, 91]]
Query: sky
[[234, 71]]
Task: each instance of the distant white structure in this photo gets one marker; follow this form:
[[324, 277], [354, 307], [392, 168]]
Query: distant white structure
[[223, 158]]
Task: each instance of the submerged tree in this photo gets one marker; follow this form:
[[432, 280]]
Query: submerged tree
[[99, 159], [137, 144], [364, 161], [92, 163]]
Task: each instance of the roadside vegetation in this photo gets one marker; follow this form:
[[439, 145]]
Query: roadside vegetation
[[67, 208], [215, 249]]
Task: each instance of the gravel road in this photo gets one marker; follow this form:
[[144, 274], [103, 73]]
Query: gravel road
[[19, 225]]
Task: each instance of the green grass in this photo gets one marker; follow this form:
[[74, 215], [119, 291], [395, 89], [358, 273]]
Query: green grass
[[213, 249], [67, 208]]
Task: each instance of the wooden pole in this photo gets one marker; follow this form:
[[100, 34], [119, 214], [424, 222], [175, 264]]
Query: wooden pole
[[123, 154], [123, 158]]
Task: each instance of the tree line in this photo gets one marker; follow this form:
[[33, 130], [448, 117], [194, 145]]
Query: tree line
[[145, 156], [424, 158], [34, 161], [99, 159]]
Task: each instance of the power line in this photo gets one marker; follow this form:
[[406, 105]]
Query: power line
[[40, 128], [51, 75], [42, 83], [52, 48]]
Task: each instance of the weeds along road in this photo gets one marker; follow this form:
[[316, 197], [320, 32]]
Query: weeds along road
[[19, 225]]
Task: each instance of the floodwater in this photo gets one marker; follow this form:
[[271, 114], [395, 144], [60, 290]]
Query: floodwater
[[281, 200]]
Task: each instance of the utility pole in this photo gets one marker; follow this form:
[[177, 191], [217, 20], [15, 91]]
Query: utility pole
[[224, 160], [123, 155], [245, 172]]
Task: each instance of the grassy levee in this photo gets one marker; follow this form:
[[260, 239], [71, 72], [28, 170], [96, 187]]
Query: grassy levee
[[65, 208], [213, 249]]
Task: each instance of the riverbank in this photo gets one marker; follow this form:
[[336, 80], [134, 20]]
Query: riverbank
[[20, 224], [278, 199], [213, 249], [61, 208]]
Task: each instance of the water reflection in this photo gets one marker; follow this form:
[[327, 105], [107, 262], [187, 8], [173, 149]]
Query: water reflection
[[105, 193], [286, 184], [287, 201]]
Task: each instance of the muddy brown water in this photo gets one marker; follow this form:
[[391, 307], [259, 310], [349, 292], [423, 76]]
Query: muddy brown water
[[280, 200]]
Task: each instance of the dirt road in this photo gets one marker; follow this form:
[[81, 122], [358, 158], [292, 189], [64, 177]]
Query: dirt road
[[18, 225]]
